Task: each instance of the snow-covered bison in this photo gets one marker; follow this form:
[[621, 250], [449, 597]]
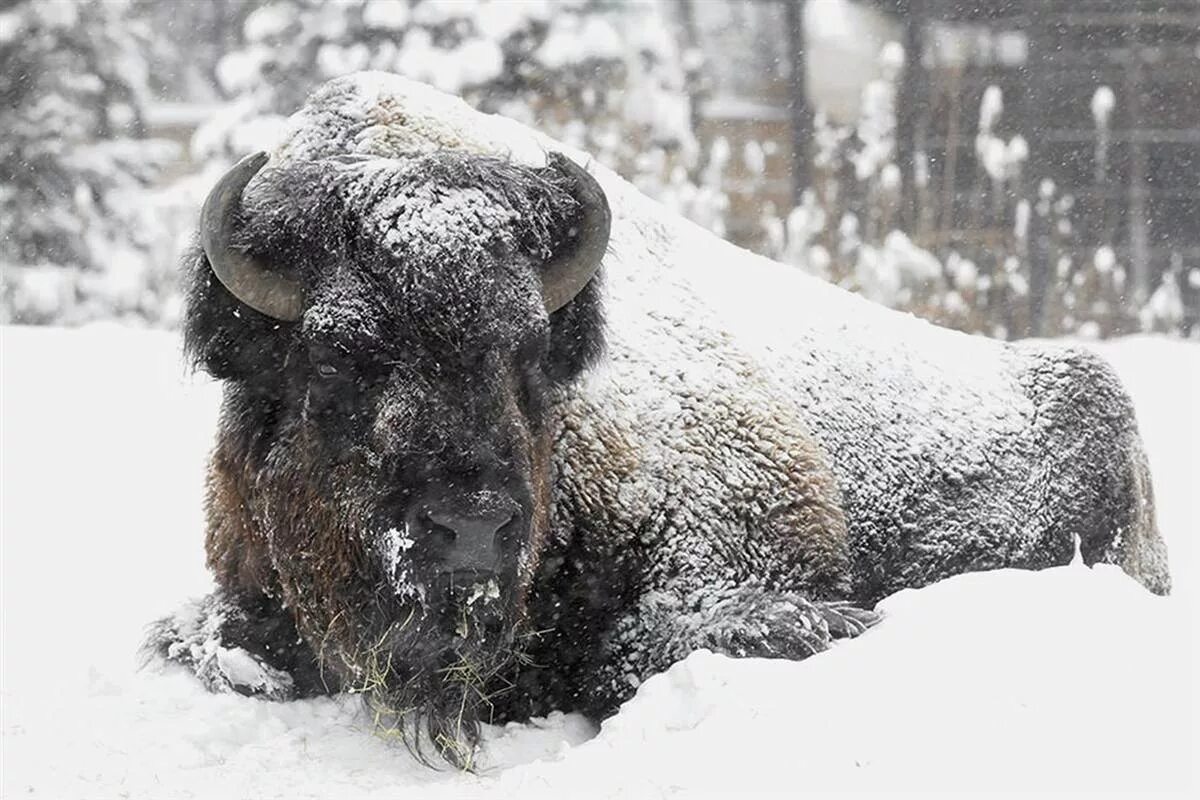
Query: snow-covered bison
[[489, 448]]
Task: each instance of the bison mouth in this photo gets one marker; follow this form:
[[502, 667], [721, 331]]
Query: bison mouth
[[431, 668]]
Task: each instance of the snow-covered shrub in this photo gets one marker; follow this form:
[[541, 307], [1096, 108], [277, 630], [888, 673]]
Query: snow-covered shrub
[[1172, 306], [1017, 267]]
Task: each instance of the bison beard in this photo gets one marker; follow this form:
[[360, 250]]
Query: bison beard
[[428, 678], [427, 653]]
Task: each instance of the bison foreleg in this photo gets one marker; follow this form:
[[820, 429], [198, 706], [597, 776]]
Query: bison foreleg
[[747, 621], [754, 622], [237, 644]]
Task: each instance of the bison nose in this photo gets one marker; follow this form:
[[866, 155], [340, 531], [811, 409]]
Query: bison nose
[[469, 540]]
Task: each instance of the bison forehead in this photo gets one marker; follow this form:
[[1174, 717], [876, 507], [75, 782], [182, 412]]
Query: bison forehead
[[454, 206], [456, 313], [451, 305], [439, 248], [453, 268], [430, 223]]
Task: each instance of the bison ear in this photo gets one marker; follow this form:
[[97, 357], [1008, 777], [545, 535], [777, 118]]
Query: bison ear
[[223, 336], [577, 333], [572, 279], [235, 303]]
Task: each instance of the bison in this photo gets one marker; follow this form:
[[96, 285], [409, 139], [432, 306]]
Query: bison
[[500, 436]]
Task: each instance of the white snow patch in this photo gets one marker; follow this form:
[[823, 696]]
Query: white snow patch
[[268, 22], [1018, 150], [487, 591], [575, 38], [395, 543], [11, 24], [242, 669], [390, 14], [1103, 103], [498, 19], [891, 58], [1104, 259], [990, 108], [1021, 220], [849, 45]]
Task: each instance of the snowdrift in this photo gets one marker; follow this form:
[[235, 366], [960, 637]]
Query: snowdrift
[[1067, 679]]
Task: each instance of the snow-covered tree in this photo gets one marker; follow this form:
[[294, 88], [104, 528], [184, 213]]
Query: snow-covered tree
[[604, 75], [188, 40], [74, 88]]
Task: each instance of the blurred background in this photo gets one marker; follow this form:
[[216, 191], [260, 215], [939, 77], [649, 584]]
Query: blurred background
[[1007, 167]]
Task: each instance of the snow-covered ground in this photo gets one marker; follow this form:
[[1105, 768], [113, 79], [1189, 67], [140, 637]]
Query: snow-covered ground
[[1068, 679]]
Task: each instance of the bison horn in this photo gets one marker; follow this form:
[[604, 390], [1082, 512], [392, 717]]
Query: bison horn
[[564, 275], [262, 289]]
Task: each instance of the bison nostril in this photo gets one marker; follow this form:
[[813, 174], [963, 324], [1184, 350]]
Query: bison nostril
[[442, 532], [465, 524]]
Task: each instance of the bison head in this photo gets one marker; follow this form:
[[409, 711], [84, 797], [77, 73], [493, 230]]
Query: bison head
[[391, 333]]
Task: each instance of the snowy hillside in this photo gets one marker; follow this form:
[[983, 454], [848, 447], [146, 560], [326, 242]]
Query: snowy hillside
[[1069, 679]]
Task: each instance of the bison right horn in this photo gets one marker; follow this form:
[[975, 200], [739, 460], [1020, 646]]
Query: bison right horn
[[565, 275], [262, 289]]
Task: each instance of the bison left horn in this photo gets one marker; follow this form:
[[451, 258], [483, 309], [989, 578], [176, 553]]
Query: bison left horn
[[262, 289], [565, 275]]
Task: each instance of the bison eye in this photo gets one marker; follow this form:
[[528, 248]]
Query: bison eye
[[327, 362]]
